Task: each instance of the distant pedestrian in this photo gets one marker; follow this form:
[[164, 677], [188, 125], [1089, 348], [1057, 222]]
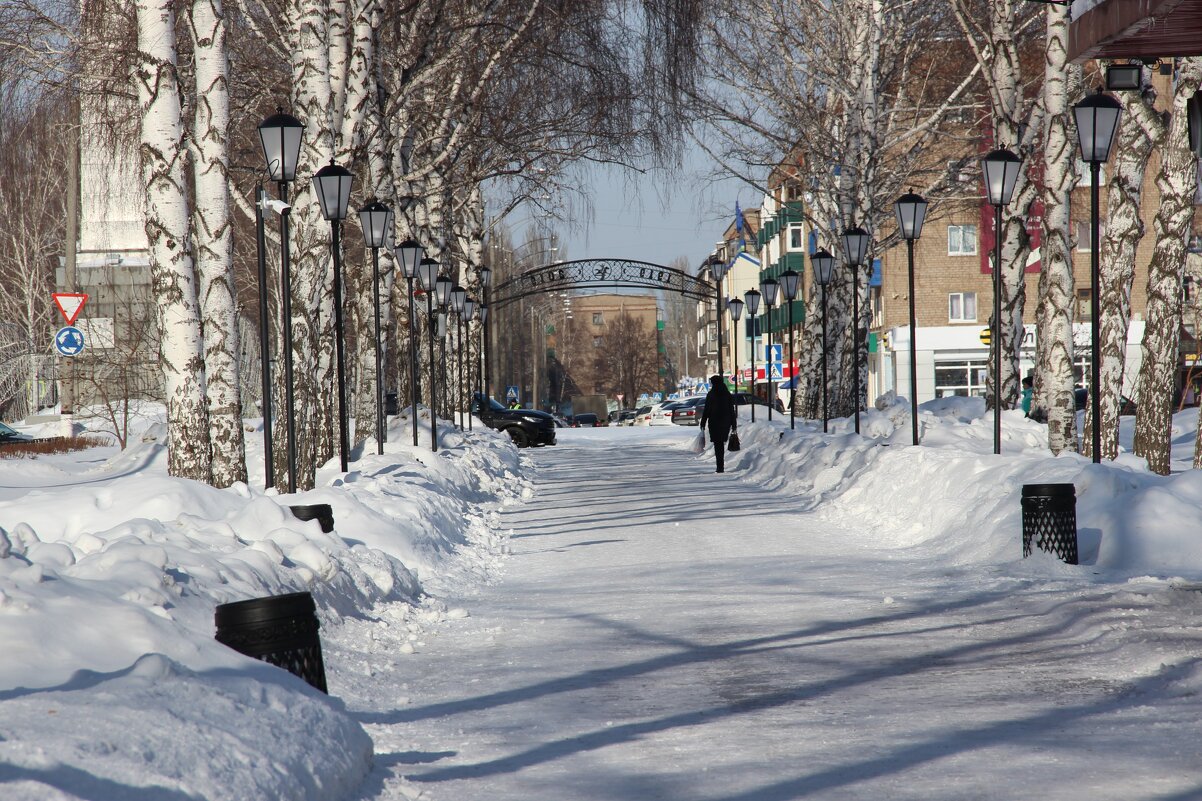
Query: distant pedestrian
[[1028, 394], [719, 415]]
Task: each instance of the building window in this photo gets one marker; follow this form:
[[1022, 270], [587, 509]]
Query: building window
[[796, 240], [961, 377], [1084, 304], [598, 318], [597, 342], [1084, 236], [961, 240], [962, 307]]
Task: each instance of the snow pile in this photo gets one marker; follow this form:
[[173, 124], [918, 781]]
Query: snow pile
[[109, 574], [954, 498]]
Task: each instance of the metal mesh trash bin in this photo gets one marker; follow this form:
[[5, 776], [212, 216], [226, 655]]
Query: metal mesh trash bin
[[323, 513], [280, 630], [1050, 520]]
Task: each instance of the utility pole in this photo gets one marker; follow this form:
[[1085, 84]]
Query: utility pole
[[66, 382]]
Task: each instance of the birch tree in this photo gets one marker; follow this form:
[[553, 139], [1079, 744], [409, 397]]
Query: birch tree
[[1177, 181], [1053, 382], [173, 272], [212, 230]]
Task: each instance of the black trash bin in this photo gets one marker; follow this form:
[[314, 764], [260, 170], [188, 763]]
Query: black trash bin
[[323, 513], [1050, 520], [280, 630]]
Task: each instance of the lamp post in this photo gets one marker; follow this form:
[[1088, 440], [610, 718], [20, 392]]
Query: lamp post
[[458, 298], [264, 334], [855, 251], [752, 298], [427, 273], [1001, 168], [719, 268], [442, 296], [735, 307], [332, 184], [409, 254], [280, 135], [770, 289], [469, 311], [789, 282], [1097, 118], [824, 265], [485, 284], [376, 220], [911, 210]]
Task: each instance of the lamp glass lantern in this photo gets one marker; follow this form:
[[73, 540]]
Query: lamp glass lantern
[[483, 310], [790, 282], [458, 298], [735, 307], [442, 290], [375, 219], [469, 308], [1097, 118], [770, 289], [719, 268], [911, 212], [485, 277], [427, 273], [409, 253], [752, 298], [280, 135], [855, 245], [1001, 169], [824, 267], [332, 184]]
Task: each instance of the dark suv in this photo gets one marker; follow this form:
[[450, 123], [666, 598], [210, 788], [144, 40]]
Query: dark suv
[[525, 427]]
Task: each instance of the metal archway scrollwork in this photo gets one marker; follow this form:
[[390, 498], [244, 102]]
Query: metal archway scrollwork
[[600, 274]]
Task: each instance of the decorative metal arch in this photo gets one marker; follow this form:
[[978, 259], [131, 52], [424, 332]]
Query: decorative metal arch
[[599, 274]]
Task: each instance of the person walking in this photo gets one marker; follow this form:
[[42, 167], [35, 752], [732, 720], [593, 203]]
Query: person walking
[[719, 415]]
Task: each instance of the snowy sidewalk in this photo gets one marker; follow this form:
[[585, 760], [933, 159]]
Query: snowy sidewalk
[[662, 632]]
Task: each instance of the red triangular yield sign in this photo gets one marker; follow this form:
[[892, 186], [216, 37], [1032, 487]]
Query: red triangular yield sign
[[70, 304]]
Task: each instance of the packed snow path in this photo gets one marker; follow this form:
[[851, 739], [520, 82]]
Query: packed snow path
[[662, 632]]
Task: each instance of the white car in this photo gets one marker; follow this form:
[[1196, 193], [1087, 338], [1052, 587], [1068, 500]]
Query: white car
[[643, 418], [661, 414]]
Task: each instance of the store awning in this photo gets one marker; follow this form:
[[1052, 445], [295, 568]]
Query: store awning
[[1135, 29]]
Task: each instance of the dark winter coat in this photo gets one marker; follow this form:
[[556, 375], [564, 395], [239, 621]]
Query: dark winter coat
[[719, 414]]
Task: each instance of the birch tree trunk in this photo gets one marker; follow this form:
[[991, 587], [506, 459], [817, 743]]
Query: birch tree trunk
[[1140, 130], [1053, 383], [214, 244], [1177, 182], [173, 273]]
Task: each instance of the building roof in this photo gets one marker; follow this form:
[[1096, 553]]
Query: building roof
[[1135, 29]]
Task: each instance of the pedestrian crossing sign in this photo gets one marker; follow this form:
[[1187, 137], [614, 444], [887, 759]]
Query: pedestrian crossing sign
[[775, 373], [511, 393]]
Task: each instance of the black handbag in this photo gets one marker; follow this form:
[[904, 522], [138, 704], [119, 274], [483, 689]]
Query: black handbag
[[733, 444]]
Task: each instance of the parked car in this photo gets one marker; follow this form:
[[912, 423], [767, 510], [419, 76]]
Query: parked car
[[588, 420], [626, 418], [689, 412], [526, 427], [1081, 398], [643, 416], [10, 436], [661, 415], [746, 399]]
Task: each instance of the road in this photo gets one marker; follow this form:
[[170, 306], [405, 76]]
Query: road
[[662, 632]]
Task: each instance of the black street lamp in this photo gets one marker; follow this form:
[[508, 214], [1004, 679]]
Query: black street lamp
[[855, 251], [770, 289], [719, 268], [735, 307], [485, 283], [1001, 168], [1097, 118], [442, 297], [376, 221], [332, 184], [752, 298], [458, 298], [427, 273], [824, 266], [280, 135], [409, 254], [469, 312], [790, 282], [911, 210]]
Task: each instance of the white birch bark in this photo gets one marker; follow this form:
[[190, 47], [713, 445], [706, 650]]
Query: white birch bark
[[1141, 130], [173, 273], [1053, 382], [214, 243], [1177, 181]]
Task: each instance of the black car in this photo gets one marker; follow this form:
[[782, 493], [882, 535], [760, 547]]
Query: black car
[[747, 399], [587, 420], [526, 427]]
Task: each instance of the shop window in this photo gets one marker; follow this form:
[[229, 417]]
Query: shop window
[[962, 307], [965, 378]]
